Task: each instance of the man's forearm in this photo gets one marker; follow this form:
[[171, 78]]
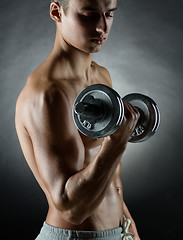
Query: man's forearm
[[86, 189]]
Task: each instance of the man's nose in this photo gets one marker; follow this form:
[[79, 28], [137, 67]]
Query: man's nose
[[102, 25]]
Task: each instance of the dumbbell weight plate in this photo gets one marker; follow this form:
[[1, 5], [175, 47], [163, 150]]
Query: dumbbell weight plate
[[150, 116], [113, 116]]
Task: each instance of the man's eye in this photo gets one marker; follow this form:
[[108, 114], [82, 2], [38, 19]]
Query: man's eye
[[109, 15], [91, 15]]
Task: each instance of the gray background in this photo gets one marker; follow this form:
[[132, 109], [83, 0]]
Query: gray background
[[143, 54]]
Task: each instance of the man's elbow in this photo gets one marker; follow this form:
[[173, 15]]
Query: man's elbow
[[69, 211], [73, 217]]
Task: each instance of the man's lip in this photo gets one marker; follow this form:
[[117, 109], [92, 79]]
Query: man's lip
[[98, 41]]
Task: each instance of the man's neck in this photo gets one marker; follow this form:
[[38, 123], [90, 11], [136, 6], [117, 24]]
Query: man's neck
[[76, 62]]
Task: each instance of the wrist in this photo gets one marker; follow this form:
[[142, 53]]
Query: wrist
[[113, 146]]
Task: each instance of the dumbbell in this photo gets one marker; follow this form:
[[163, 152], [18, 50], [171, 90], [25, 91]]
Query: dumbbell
[[98, 112]]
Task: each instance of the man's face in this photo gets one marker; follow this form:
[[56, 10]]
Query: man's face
[[87, 23]]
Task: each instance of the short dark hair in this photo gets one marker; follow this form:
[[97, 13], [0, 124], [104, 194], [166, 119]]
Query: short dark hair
[[63, 3]]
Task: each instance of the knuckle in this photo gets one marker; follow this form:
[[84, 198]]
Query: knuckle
[[137, 115], [133, 116]]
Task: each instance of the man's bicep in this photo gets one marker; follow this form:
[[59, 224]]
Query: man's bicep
[[57, 153]]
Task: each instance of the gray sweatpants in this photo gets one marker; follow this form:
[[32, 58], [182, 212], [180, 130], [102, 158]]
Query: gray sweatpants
[[52, 233]]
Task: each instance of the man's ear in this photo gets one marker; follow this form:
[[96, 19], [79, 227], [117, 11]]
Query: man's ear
[[55, 12]]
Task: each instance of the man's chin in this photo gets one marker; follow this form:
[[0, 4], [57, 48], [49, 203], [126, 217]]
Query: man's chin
[[95, 49], [91, 48]]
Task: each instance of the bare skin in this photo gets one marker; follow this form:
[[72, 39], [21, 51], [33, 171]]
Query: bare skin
[[80, 176]]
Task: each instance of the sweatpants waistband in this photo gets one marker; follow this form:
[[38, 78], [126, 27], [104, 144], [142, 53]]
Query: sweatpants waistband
[[52, 233]]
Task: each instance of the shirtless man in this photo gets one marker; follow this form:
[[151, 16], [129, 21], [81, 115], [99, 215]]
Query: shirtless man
[[80, 176]]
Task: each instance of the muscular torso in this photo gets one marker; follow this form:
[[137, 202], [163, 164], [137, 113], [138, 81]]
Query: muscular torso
[[109, 213]]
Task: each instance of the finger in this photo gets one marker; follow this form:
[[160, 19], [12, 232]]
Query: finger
[[127, 109], [130, 111], [133, 109]]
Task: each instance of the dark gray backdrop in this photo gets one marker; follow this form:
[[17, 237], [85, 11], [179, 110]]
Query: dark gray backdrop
[[143, 54]]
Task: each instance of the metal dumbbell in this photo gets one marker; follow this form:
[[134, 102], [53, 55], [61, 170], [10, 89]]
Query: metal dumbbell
[[98, 112]]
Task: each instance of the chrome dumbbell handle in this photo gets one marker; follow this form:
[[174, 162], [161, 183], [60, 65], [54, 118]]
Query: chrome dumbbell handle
[[90, 108]]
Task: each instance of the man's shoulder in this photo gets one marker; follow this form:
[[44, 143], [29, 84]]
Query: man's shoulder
[[103, 72], [37, 84], [100, 68], [38, 91], [37, 105]]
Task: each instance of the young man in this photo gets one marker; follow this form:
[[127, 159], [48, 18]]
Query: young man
[[80, 176]]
